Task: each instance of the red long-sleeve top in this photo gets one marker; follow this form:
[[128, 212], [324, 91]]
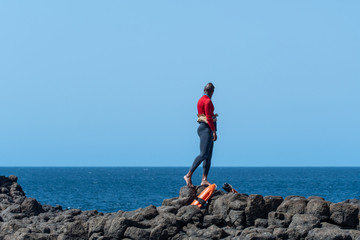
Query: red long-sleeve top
[[205, 106]]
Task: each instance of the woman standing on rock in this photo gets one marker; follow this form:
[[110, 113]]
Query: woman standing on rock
[[207, 134]]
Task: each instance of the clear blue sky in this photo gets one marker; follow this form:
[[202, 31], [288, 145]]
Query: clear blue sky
[[115, 83]]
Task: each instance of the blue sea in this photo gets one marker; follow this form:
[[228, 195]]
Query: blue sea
[[109, 189]]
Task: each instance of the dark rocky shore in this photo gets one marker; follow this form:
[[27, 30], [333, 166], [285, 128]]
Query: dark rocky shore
[[227, 216]]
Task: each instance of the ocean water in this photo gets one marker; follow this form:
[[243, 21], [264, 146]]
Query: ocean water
[[109, 189]]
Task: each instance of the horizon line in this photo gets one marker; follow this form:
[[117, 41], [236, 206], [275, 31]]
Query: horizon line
[[176, 166]]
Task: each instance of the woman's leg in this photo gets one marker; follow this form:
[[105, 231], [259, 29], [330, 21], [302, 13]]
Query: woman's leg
[[205, 135], [206, 166]]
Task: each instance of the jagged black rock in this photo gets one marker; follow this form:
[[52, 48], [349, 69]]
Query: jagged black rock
[[228, 216]]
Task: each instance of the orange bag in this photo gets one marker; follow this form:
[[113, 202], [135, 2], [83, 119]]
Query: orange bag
[[204, 195]]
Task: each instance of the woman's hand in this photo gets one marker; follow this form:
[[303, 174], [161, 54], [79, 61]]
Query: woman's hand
[[214, 136]]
